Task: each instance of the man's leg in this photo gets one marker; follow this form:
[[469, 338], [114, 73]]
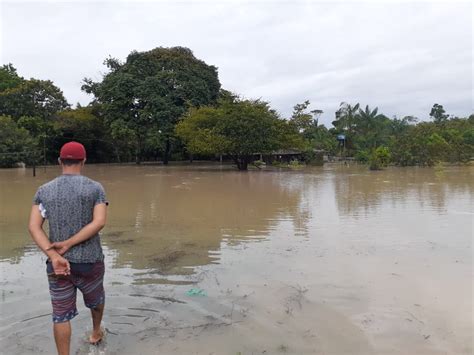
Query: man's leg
[[63, 300], [91, 285], [96, 313], [62, 337]]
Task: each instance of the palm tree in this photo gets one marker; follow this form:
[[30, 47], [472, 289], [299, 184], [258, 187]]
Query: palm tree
[[346, 117], [369, 125], [346, 122]]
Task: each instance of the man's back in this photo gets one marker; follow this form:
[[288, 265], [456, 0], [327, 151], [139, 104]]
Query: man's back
[[68, 203], [76, 209]]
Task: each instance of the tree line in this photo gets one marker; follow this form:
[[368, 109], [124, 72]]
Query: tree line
[[166, 104]]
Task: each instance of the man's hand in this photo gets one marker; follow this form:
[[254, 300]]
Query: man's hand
[[60, 247], [61, 266]]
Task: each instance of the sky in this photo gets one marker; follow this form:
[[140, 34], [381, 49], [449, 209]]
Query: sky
[[400, 56]]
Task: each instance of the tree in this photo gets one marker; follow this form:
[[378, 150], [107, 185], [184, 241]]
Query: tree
[[438, 148], [36, 126], [32, 104], [85, 125], [151, 91], [371, 128], [438, 114], [302, 120], [346, 122], [238, 128], [16, 145], [9, 78], [346, 117], [315, 136], [34, 98]]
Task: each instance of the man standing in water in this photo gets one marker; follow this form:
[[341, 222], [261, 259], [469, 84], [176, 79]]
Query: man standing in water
[[75, 207]]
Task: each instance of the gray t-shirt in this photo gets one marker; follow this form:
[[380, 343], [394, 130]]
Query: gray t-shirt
[[67, 202]]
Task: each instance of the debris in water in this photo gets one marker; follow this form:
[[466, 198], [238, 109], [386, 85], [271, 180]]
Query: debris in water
[[43, 315], [196, 292], [160, 298], [144, 309], [110, 332]]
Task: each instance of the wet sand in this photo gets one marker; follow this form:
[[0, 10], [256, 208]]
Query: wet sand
[[331, 260]]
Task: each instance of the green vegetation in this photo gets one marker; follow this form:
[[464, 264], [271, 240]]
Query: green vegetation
[[15, 143], [237, 128], [143, 98], [166, 104], [379, 158], [405, 142]]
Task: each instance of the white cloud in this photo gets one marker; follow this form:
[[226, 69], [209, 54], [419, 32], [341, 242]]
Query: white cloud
[[399, 56]]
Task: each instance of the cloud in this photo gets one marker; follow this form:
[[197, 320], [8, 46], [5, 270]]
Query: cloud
[[399, 56]]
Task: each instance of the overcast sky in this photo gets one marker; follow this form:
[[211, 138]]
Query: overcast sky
[[399, 56]]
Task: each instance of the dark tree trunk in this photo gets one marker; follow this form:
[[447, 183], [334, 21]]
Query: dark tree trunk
[[242, 162], [117, 154], [167, 151], [138, 152], [191, 157], [243, 165]]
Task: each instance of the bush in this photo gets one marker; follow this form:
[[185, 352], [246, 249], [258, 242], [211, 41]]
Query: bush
[[313, 158], [259, 163], [362, 156], [379, 158], [295, 164]]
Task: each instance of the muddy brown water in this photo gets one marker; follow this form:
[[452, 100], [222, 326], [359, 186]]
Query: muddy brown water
[[323, 260]]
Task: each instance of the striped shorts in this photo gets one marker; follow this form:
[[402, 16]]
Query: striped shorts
[[87, 277]]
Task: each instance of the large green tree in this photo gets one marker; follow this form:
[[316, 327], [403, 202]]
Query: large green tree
[[150, 91], [238, 128], [32, 104], [33, 98], [16, 144]]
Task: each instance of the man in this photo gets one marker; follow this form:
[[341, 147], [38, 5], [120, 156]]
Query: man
[[75, 208]]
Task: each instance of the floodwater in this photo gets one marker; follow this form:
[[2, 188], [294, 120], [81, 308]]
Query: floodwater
[[323, 260]]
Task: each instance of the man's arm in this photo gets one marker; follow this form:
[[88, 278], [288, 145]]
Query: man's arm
[[88, 231], [35, 226]]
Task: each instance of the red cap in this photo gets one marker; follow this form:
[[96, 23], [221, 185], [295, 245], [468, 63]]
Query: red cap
[[73, 150]]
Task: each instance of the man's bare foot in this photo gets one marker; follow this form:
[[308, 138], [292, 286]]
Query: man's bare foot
[[96, 337]]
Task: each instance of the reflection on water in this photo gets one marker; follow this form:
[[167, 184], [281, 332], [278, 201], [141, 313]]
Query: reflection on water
[[359, 191], [171, 219], [165, 219], [340, 248]]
